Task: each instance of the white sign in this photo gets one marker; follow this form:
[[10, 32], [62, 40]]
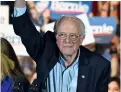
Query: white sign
[[7, 32], [4, 14], [41, 6], [102, 29], [69, 7]]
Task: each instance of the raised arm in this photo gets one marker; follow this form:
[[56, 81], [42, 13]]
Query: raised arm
[[24, 27]]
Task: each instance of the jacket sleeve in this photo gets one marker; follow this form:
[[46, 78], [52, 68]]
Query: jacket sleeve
[[104, 79], [30, 37]]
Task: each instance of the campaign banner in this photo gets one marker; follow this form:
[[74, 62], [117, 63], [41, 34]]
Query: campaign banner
[[103, 28], [4, 14], [60, 8]]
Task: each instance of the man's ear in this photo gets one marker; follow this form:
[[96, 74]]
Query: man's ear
[[82, 38]]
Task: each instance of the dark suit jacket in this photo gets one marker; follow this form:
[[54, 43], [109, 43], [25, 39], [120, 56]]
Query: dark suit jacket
[[45, 52]]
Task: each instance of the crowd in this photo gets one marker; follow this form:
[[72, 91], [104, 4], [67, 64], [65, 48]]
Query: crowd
[[13, 66]]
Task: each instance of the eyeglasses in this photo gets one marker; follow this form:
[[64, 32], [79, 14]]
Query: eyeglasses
[[72, 36]]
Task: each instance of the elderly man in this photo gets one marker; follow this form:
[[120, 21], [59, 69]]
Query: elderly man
[[63, 65]]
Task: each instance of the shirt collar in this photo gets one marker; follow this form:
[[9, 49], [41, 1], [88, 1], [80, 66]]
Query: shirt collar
[[61, 60]]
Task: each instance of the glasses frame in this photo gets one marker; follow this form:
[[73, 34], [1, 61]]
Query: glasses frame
[[72, 36]]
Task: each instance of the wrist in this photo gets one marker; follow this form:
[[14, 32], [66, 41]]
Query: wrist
[[19, 4]]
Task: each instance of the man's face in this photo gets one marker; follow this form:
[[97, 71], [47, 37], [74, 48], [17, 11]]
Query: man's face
[[69, 37]]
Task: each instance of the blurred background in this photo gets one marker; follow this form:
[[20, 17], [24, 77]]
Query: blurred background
[[102, 20]]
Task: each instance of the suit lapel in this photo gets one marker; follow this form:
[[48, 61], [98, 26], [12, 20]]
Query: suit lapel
[[83, 72], [52, 62], [82, 79]]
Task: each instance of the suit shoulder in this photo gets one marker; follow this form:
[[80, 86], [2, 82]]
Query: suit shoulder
[[102, 60], [49, 36], [95, 58]]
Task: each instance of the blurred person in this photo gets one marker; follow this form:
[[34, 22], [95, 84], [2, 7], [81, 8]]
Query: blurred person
[[115, 56], [106, 9], [31, 4], [114, 84], [115, 66], [63, 64], [39, 18], [35, 15], [28, 67], [10, 68], [34, 74], [46, 17], [115, 45], [114, 10], [43, 16], [103, 8]]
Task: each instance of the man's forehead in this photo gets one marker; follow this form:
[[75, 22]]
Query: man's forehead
[[69, 18], [68, 21], [69, 27]]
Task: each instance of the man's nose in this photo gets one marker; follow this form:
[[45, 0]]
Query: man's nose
[[67, 39]]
